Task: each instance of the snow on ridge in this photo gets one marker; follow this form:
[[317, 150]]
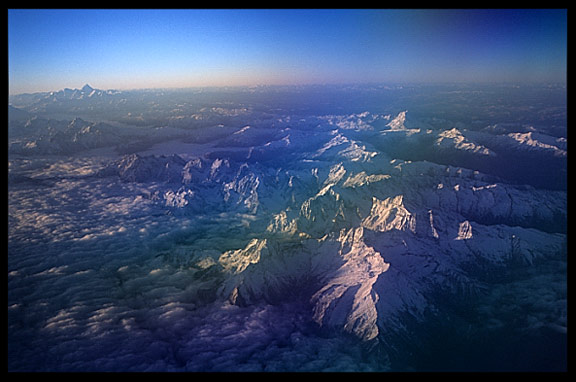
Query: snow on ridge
[[536, 141], [464, 231], [455, 139], [398, 122], [390, 214], [386, 217]]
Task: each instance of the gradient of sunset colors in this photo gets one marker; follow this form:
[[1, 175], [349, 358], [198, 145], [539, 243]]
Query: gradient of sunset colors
[[124, 49]]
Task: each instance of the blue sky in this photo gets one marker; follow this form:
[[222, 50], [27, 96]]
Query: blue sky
[[122, 49]]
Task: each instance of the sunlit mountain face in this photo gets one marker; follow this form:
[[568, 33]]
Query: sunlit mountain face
[[288, 228]]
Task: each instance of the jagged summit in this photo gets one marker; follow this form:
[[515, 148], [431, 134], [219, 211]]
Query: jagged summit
[[398, 122], [86, 92], [87, 88]]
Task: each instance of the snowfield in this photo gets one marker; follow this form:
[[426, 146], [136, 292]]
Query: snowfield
[[253, 230]]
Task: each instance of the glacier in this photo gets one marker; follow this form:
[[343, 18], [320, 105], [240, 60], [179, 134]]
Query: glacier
[[299, 228]]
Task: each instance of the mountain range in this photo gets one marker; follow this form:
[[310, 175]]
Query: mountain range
[[268, 236]]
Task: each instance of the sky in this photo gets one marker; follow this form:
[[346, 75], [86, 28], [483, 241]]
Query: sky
[[52, 49]]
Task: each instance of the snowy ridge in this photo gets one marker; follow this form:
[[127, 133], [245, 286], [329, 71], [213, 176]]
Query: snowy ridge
[[453, 139], [77, 94], [398, 122], [343, 280]]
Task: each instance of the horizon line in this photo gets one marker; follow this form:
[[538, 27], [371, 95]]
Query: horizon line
[[312, 84]]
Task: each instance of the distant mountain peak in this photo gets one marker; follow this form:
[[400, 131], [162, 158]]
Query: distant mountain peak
[[87, 88], [398, 122]]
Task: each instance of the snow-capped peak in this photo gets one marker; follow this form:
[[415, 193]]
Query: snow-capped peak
[[87, 89], [398, 122]]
